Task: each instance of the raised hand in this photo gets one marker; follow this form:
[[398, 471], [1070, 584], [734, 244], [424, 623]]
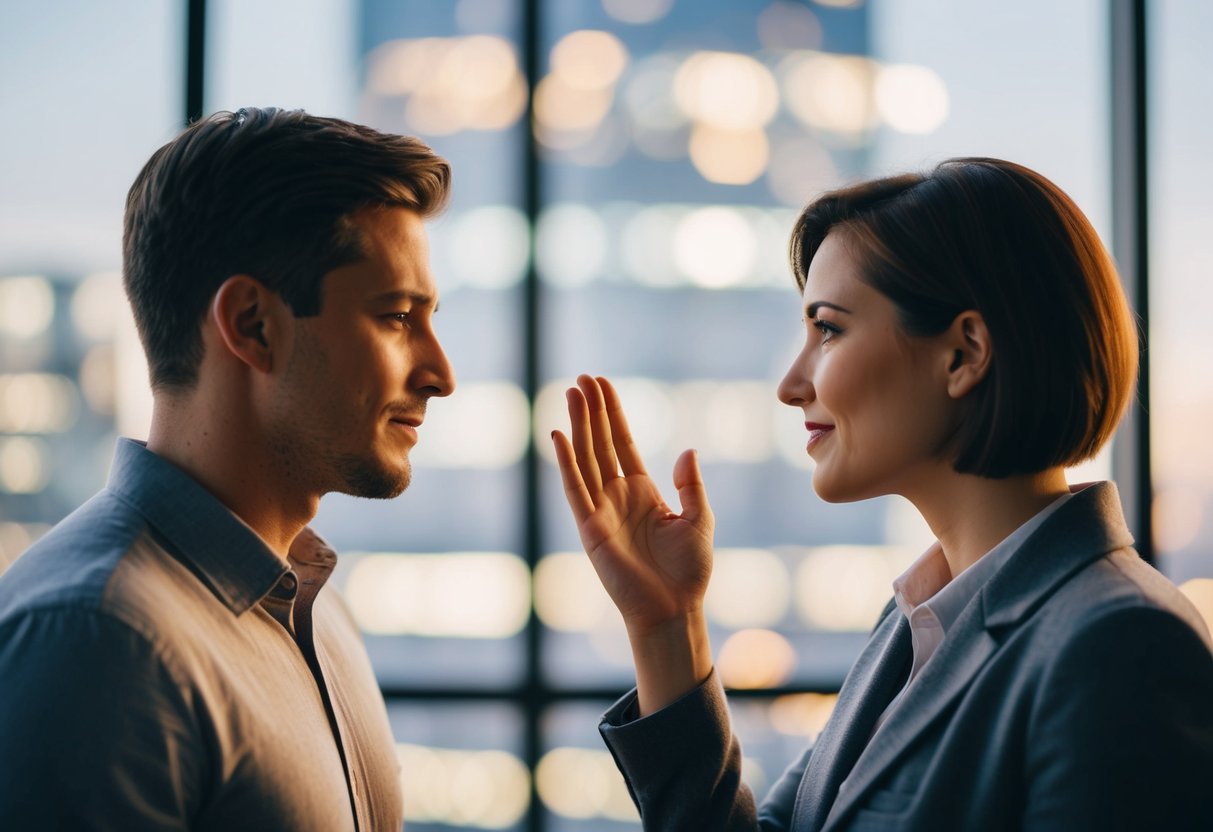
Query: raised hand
[[655, 564]]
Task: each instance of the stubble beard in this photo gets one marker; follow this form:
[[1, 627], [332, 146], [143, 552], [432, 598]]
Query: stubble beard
[[364, 476]]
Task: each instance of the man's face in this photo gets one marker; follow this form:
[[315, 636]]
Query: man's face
[[353, 390]]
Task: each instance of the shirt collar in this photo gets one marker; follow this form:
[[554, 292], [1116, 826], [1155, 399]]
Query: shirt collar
[[929, 582], [229, 557]]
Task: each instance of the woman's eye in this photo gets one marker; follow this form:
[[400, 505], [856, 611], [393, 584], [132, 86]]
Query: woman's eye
[[827, 329]]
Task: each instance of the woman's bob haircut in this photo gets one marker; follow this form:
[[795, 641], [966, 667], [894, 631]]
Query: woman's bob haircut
[[998, 238]]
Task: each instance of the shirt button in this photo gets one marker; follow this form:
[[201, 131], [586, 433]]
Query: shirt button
[[288, 585]]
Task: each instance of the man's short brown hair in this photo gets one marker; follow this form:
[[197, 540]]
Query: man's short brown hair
[[265, 192], [996, 237]]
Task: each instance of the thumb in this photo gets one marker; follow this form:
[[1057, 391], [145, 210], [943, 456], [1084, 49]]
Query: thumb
[[692, 496]]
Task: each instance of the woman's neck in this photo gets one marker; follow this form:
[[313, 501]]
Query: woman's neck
[[970, 515]]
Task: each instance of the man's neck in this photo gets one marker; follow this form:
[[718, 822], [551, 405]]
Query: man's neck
[[222, 450]]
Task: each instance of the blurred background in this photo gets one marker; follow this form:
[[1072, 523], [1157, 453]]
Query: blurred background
[[626, 176]]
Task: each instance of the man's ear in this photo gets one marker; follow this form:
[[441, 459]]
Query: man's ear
[[969, 353], [246, 313]]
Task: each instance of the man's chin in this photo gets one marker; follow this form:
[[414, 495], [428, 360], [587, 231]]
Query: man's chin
[[375, 481]]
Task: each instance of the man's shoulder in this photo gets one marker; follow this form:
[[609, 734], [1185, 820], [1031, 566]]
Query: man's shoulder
[[73, 564]]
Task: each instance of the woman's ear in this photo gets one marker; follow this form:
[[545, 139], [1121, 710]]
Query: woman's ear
[[969, 353], [244, 312]]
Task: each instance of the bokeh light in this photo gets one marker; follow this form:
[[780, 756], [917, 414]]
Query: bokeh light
[[728, 157], [479, 789], [755, 658], [451, 594], [726, 90], [27, 305], [831, 92], [570, 245], [749, 588], [714, 247], [485, 426], [583, 783], [912, 99], [24, 465]]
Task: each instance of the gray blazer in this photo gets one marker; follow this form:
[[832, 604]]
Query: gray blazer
[[1075, 692]]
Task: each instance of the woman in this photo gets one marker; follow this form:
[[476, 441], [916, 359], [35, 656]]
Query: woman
[[967, 339]]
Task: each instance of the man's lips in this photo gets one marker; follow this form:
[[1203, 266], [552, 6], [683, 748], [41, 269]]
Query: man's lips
[[407, 425]]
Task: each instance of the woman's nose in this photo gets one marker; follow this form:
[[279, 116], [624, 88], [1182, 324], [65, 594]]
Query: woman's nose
[[796, 388]]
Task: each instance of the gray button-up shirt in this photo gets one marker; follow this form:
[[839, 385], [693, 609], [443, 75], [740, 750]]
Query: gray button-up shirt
[[161, 668]]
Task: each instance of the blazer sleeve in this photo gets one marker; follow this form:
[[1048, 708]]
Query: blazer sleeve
[[1121, 736], [682, 766], [95, 732]]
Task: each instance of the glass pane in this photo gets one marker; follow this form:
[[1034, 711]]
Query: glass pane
[[679, 140], [461, 766], [1181, 348], [90, 90], [435, 578]]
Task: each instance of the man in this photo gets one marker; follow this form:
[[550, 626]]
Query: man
[[170, 657]]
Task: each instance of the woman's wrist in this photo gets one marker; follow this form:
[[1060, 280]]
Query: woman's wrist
[[672, 659]]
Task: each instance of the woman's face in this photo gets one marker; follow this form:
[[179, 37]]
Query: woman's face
[[875, 399]]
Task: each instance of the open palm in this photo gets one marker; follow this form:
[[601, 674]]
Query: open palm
[[654, 563]]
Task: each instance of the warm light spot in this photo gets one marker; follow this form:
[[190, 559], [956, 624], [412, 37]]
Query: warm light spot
[[570, 245], [1093, 470], [1178, 514], [831, 92], [489, 247], [728, 157], [726, 90], [14, 540], [569, 596], [24, 468], [727, 421], [637, 11], [714, 247], [755, 659], [452, 594], [1200, 593], [37, 403], [452, 84], [802, 714], [583, 783], [588, 59], [912, 99], [132, 391], [98, 306], [750, 588], [844, 588], [561, 107], [397, 67], [457, 434], [27, 305], [468, 789]]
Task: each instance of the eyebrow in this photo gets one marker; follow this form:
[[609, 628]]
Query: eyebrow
[[401, 294], [811, 309]]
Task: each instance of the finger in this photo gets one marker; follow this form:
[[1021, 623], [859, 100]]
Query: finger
[[574, 487], [583, 443], [625, 446], [692, 495], [604, 449]]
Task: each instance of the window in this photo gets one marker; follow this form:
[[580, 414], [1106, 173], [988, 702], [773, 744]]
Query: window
[[673, 144]]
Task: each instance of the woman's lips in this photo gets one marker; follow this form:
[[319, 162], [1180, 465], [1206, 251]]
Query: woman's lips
[[817, 432]]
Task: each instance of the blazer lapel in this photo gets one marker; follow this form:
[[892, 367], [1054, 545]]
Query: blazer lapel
[[872, 683], [1089, 526], [967, 647]]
